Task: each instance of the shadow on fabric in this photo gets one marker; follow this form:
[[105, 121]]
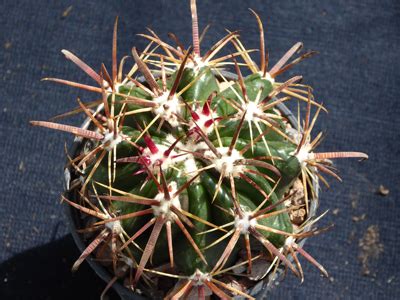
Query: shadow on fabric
[[45, 273]]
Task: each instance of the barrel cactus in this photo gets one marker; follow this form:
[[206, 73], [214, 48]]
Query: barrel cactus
[[186, 170]]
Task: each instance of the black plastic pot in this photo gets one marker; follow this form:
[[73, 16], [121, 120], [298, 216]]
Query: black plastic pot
[[259, 291]]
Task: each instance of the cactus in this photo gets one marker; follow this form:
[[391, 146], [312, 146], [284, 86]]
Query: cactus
[[187, 170]]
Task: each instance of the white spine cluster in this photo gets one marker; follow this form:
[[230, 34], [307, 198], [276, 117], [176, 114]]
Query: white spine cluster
[[168, 108], [115, 226], [110, 142], [196, 64], [252, 110], [268, 77], [198, 278], [304, 153], [164, 208], [245, 223], [226, 163], [289, 242]]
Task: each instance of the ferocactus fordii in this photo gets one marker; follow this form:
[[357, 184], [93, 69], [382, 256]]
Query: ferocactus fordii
[[187, 175]]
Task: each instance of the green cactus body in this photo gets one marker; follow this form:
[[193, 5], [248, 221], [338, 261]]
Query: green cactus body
[[202, 83]]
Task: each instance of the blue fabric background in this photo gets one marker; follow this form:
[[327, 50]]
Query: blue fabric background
[[356, 75]]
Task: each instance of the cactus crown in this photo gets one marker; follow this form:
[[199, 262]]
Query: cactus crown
[[187, 170]]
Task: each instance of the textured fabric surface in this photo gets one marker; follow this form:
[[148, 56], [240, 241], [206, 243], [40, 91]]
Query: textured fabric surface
[[356, 75]]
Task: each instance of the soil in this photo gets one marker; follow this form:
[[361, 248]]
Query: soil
[[383, 191], [359, 218], [370, 249], [297, 216]]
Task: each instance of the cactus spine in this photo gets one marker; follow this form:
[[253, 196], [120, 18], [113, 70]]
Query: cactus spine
[[189, 169]]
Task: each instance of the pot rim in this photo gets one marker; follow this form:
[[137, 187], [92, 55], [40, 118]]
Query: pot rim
[[261, 288]]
